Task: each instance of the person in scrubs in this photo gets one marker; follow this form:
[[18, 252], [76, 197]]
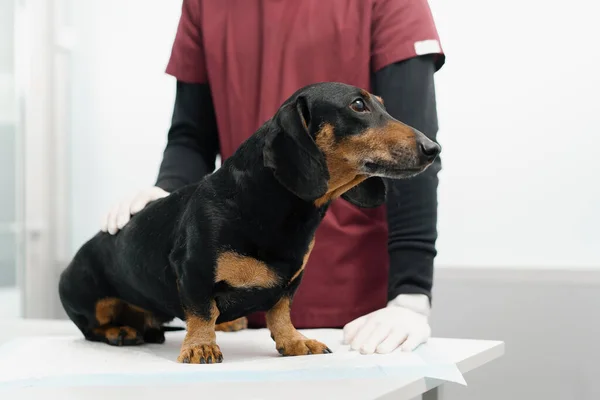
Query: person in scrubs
[[234, 63]]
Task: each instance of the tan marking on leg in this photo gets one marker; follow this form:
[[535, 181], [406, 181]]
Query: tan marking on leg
[[199, 345], [113, 332], [233, 326], [118, 312], [149, 320], [113, 313], [288, 341], [305, 260], [241, 271], [107, 309]]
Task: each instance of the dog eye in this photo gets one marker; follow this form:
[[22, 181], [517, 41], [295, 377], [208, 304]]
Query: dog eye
[[358, 105]]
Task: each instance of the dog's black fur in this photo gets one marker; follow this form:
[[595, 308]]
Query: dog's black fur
[[263, 203]]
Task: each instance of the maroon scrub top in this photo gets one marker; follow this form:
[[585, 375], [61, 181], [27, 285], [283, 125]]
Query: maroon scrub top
[[256, 53]]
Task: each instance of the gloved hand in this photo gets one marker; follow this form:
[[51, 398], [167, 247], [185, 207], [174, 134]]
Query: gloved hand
[[121, 212], [403, 323]]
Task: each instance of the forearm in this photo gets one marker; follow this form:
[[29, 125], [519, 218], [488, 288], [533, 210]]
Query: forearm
[[192, 144], [412, 220], [407, 89]]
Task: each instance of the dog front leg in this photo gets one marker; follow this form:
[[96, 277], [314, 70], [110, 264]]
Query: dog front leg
[[199, 345], [288, 341]]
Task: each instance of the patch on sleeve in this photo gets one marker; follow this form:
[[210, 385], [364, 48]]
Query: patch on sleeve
[[427, 47]]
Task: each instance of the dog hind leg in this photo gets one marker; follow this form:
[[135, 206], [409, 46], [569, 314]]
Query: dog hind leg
[[89, 302]]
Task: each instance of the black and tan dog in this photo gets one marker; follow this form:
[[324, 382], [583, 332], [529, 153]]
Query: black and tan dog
[[237, 241]]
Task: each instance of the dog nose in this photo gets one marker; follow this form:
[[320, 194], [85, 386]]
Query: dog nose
[[430, 149]]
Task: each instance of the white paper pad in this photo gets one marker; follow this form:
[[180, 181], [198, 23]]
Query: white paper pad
[[249, 355]]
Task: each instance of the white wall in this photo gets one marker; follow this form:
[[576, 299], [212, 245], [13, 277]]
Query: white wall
[[121, 102], [518, 109], [519, 114]]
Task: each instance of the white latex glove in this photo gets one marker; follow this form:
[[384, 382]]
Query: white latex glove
[[120, 213], [403, 323]]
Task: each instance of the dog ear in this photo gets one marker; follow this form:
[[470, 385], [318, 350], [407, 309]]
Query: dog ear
[[370, 193], [296, 160]]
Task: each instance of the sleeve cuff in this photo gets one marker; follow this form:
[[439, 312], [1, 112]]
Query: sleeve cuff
[[187, 74], [411, 271], [170, 184], [418, 303], [410, 50]]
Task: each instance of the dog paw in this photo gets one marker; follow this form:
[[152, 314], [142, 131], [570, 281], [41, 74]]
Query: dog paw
[[121, 336], [232, 326], [302, 347], [200, 354]]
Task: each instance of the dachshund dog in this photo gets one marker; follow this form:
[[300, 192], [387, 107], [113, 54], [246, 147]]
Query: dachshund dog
[[237, 242]]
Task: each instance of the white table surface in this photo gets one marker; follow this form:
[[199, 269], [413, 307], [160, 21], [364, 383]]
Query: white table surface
[[467, 354]]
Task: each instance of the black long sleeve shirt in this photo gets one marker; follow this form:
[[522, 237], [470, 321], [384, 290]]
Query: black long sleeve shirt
[[407, 88]]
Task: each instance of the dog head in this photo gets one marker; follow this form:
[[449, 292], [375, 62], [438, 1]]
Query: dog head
[[332, 140]]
